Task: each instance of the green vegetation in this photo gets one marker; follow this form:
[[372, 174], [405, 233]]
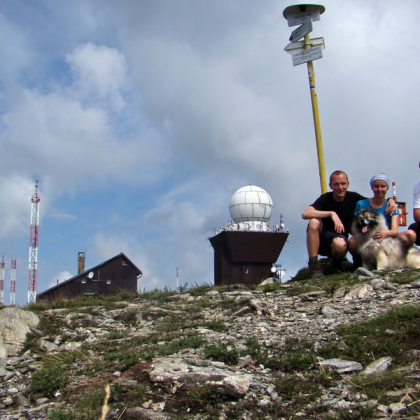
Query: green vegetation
[[298, 378]]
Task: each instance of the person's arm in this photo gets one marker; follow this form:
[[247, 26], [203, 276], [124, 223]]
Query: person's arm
[[392, 233], [391, 206], [311, 213]]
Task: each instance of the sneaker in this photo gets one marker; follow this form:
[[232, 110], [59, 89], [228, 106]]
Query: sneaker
[[315, 270], [337, 266]]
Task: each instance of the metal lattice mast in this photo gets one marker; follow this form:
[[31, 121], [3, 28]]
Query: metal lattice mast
[[2, 265], [13, 283], [33, 246]]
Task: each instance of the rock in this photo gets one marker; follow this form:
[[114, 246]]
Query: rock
[[235, 386], [139, 413], [359, 291], [176, 369], [46, 345], [362, 272], [15, 324], [184, 378], [397, 408], [341, 366], [380, 365]]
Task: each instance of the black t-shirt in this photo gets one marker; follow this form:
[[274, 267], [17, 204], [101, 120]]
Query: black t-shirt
[[344, 209]]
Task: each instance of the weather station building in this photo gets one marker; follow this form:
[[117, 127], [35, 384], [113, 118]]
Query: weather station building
[[246, 251]]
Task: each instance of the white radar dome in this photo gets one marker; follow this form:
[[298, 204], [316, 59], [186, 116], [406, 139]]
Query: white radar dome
[[249, 204]]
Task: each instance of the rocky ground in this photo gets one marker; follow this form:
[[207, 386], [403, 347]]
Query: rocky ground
[[216, 376]]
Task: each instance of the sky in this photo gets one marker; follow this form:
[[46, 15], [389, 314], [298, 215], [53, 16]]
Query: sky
[[141, 119]]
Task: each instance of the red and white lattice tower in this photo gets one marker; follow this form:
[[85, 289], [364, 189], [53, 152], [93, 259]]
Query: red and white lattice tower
[[33, 246], [13, 283], [2, 265]]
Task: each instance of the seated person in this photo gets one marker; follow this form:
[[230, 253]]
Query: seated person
[[330, 218], [380, 185], [413, 232]]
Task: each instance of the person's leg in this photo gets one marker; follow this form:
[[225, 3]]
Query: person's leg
[[411, 235], [313, 243], [339, 247], [312, 237], [338, 252], [352, 246]]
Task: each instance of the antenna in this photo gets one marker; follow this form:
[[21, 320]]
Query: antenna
[[177, 284], [33, 246], [2, 265], [13, 283]]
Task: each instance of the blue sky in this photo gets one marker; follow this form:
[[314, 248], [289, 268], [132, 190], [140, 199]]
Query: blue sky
[[141, 119]]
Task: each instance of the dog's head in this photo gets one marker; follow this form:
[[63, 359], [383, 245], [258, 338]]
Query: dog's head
[[367, 220]]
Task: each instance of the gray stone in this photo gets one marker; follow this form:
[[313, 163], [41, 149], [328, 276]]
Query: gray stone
[[15, 324], [363, 272], [380, 365], [342, 366], [235, 385], [359, 291]]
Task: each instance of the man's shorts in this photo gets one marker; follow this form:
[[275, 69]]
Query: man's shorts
[[325, 242], [416, 228]]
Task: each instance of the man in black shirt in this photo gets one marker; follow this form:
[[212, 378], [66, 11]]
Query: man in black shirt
[[330, 218]]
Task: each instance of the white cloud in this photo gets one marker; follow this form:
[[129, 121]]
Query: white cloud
[[15, 206], [59, 278], [170, 107], [99, 71]]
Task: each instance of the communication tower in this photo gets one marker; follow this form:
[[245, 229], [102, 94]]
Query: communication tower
[[33, 246], [13, 283], [2, 280]]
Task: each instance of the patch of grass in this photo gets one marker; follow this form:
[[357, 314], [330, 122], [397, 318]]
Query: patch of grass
[[131, 397], [55, 372], [297, 387], [214, 325], [200, 290], [405, 277], [158, 295], [63, 358], [172, 323], [270, 288], [61, 415], [127, 353], [391, 334], [128, 317], [49, 326], [47, 381], [375, 386], [232, 305], [89, 406], [295, 356], [222, 352]]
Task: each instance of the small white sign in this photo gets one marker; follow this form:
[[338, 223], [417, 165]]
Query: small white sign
[[299, 18], [295, 47], [303, 30], [310, 54]]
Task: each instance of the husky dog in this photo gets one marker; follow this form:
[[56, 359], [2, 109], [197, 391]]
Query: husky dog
[[390, 253]]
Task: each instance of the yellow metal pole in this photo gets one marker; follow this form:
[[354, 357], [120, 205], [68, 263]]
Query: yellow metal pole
[[317, 124]]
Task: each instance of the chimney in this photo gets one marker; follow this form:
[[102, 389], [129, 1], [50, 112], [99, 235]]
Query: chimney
[[81, 262]]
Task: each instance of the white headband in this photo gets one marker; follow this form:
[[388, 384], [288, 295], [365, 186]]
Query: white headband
[[380, 177]]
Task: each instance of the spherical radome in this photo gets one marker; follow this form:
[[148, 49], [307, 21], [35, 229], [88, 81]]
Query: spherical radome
[[250, 203]]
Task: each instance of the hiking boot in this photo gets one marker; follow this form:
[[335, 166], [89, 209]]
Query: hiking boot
[[315, 270], [337, 266]]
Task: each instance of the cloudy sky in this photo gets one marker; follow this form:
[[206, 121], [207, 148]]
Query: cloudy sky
[[141, 119]]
